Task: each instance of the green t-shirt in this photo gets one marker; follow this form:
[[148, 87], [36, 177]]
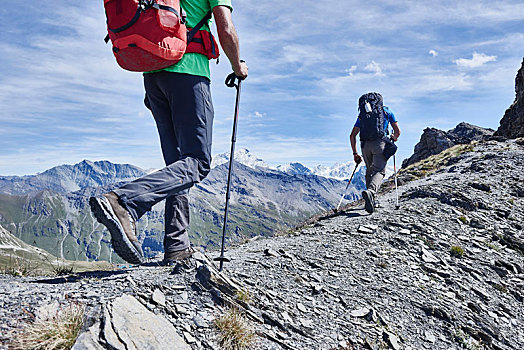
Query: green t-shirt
[[195, 63]]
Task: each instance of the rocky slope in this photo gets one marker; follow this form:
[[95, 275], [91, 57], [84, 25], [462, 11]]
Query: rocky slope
[[433, 141], [444, 271], [512, 124]]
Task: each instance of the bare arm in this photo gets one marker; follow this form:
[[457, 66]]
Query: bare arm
[[353, 142], [396, 131], [227, 35]]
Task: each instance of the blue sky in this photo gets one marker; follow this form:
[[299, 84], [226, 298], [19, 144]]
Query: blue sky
[[63, 98]]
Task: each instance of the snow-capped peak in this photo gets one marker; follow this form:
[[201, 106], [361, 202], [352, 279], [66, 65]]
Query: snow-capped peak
[[243, 156], [294, 168], [339, 171]]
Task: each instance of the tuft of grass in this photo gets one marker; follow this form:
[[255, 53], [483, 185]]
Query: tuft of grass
[[493, 246], [500, 288], [383, 264], [57, 332], [62, 269], [465, 341], [235, 333], [457, 251], [298, 279], [463, 219], [18, 267], [428, 242], [244, 295]]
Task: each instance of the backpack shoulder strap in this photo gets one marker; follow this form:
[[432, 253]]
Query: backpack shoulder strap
[[199, 25]]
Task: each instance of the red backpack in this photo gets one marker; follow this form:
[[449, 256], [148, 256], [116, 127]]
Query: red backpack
[[149, 35]]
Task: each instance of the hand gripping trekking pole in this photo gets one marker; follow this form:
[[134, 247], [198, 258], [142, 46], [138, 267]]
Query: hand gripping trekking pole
[[347, 186], [230, 82]]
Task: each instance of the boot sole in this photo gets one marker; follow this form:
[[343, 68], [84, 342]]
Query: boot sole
[[369, 202], [103, 212]]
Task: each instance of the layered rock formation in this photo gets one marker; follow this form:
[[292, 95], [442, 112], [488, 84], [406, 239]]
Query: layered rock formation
[[512, 124], [433, 141]]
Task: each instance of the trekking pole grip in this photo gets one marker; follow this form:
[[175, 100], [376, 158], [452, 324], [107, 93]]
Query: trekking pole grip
[[231, 78]]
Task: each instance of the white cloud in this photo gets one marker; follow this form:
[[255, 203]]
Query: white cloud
[[433, 53], [351, 70], [477, 60], [375, 68]]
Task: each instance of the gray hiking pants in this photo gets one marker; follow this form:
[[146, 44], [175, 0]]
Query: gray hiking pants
[[375, 163], [183, 111]]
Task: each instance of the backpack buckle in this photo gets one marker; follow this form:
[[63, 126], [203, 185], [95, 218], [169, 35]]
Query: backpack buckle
[[146, 4]]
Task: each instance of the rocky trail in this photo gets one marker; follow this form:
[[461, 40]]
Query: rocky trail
[[444, 271]]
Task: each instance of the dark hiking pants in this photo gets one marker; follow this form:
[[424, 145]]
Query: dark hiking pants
[[372, 152], [183, 111]]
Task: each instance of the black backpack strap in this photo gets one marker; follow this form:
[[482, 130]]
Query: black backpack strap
[[172, 10], [130, 23], [199, 25]]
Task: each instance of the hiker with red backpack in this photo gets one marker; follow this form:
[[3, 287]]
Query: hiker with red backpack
[[170, 41], [372, 124]]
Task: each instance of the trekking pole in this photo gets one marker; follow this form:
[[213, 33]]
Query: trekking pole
[[397, 206], [230, 82], [347, 186]]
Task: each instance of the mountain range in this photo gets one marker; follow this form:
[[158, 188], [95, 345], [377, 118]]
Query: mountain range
[[50, 211]]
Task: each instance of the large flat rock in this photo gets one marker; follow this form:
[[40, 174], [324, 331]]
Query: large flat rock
[[140, 329]]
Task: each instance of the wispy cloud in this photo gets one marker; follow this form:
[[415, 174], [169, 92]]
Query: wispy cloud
[[477, 60], [375, 68], [433, 53]]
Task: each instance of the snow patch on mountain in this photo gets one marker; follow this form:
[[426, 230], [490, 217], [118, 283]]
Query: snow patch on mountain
[[243, 156], [294, 168], [339, 171]]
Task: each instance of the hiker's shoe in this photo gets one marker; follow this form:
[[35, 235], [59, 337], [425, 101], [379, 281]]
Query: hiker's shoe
[[108, 211], [172, 257], [369, 201]]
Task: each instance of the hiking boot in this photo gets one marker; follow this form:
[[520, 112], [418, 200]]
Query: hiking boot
[[369, 201], [121, 225], [178, 255]]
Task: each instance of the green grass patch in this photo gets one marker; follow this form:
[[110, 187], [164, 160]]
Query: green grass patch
[[457, 251], [244, 296], [500, 288]]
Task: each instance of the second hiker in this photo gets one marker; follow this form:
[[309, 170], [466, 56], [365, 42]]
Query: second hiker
[[372, 124]]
